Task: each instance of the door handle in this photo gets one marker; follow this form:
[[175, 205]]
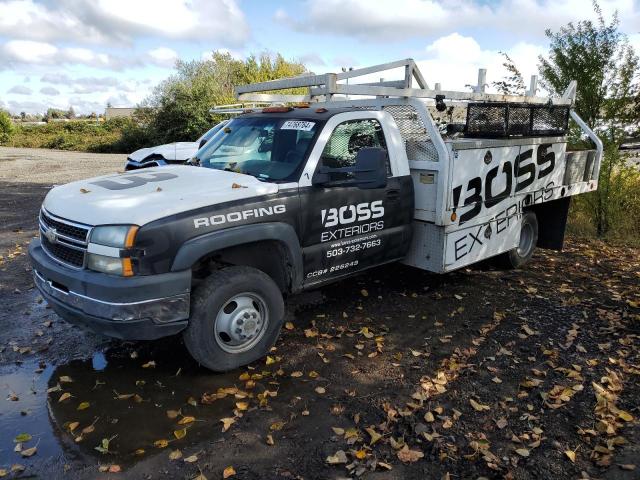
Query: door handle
[[393, 194]]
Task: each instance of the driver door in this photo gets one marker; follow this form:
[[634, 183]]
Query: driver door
[[345, 228]]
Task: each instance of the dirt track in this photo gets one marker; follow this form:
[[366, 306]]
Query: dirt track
[[480, 373]]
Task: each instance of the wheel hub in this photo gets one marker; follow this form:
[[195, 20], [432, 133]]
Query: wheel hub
[[241, 322], [245, 324]]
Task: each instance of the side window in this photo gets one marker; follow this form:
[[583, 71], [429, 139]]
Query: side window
[[347, 139]]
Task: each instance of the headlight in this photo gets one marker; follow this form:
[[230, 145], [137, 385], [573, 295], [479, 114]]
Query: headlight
[[108, 252], [119, 236], [112, 265]]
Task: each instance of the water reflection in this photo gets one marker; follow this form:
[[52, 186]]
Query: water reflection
[[143, 400]]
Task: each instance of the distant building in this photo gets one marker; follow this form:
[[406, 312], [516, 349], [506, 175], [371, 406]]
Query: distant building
[[114, 112]]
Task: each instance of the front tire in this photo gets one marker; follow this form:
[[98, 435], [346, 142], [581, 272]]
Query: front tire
[[520, 255], [236, 316]]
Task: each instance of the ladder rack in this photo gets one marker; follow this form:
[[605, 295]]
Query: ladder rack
[[323, 88]]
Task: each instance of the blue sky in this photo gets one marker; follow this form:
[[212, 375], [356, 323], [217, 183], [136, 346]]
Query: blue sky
[[87, 53]]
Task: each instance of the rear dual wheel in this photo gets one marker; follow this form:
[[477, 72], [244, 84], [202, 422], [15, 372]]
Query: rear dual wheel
[[520, 255], [236, 316]]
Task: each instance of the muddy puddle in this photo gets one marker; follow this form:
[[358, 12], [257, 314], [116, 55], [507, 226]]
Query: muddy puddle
[[123, 404]]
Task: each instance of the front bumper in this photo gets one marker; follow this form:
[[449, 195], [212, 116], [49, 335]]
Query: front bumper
[[133, 308]]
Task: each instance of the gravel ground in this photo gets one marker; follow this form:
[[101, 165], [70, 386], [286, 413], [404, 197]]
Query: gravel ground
[[36, 165]]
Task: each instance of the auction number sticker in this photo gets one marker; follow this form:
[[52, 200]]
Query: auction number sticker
[[297, 125]]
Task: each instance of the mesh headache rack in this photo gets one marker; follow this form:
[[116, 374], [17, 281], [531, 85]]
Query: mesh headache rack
[[488, 114]]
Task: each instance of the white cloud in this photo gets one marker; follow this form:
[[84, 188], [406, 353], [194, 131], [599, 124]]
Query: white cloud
[[30, 52], [49, 91], [20, 90], [122, 21], [163, 56], [454, 60], [385, 20]]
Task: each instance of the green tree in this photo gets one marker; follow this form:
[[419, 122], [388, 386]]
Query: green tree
[[179, 107], [599, 57], [6, 126], [513, 83]]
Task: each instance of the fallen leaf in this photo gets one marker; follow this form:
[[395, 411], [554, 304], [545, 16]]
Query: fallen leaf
[[375, 436], [269, 440], [83, 406], [407, 455], [65, 379], [270, 360], [337, 458], [186, 420], [64, 397], [477, 406], [29, 452], [114, 469], [523, 452], [73, 425], [22, 437], [501, 423], [364, 292], [229, 471], [274, 427], [289, 326], [191, 459], [429, 418], [180, 433], [242, 406], [296, 374], [161, 443], [320, 390], [227, 422], [571, 454], [175, 455], [626, 416], [173, 414], [150, 364], [361, 454]]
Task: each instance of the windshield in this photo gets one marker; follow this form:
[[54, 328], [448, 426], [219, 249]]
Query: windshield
[[210, 133], [268, 148]]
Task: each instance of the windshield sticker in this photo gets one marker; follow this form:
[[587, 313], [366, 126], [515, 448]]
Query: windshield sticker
[[297, 125]]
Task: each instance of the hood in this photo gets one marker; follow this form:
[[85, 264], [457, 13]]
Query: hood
[[170, 151], [143, 196]]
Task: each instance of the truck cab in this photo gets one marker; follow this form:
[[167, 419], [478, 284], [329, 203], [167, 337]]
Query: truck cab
[[287, 198]]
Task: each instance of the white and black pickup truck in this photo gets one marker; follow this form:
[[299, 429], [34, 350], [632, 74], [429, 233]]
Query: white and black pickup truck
[[287, 199]]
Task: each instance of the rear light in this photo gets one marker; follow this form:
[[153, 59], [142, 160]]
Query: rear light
[[277, 109], [302, 105], [321, 110]]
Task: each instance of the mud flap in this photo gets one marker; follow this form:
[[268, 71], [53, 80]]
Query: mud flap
[[552, 222]]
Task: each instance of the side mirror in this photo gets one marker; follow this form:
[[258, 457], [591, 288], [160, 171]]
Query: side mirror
[[202, 143], [371, 168]]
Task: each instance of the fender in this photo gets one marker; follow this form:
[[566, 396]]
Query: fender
[[192, 250]]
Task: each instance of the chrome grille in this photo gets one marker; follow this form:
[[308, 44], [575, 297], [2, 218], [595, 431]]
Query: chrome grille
[[63, 240]]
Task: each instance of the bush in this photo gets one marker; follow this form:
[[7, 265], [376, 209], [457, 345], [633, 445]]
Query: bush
[[613, 211], [6, 126], [82, 135]]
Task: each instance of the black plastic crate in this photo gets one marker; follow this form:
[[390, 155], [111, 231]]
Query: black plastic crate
[[496, 120]]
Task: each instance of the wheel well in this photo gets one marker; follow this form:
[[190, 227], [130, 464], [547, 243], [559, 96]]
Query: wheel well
[[269, 256]]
